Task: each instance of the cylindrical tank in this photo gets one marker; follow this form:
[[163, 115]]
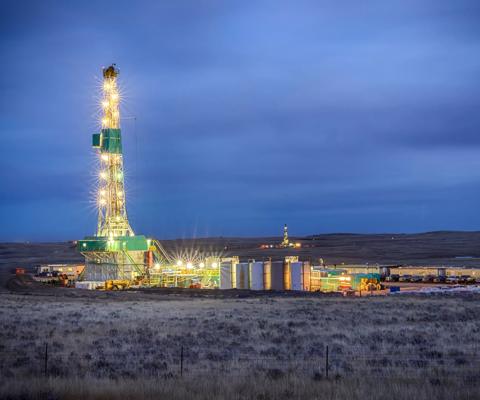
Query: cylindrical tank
[[226, 275], [256, 276], [287, 277], [296, 271], [300, 276], [267, 273], [241, 276], [277, 275], [307, 276]]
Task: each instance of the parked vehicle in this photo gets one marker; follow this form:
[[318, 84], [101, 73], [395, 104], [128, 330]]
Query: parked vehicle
[[471, 280], [428, 278], [117, 284], [439, 279], [416, 279], [392, 278], [466, 279], [405, 278], [452, 279]]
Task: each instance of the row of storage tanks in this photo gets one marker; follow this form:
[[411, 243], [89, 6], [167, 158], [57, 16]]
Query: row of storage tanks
[[265, 275]]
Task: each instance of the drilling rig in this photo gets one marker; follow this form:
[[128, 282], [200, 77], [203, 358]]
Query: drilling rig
[[285, 241], [115, 252], [116, 257]]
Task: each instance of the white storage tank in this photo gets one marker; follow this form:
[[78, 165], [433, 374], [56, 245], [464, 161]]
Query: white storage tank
[[277, 275], [256, 276], [300, 276], [226, 275], [242, 276]]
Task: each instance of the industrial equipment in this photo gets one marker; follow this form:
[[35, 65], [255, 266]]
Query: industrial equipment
[[115, 252], [366, 282], [117, 284], [285, 242], [116, 257]]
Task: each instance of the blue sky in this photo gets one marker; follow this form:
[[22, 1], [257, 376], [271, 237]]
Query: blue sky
[[331, 116]]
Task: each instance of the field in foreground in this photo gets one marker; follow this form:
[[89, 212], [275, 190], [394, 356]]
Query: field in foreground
[[129, 345]]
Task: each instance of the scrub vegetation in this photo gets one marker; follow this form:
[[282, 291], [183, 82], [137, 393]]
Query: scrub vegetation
[[129, 345]]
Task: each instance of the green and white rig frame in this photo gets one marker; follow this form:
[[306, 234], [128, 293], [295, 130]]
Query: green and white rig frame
[[115, 252]]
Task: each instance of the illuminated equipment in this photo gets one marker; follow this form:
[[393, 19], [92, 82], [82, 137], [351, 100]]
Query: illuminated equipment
[[286, 241], [115, 255], [338, 280], [112, 211], [285, 236], [205, 274], [290, 274], [115, 252]]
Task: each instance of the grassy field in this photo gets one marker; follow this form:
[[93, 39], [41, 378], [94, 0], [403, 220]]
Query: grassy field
[[129, 345]]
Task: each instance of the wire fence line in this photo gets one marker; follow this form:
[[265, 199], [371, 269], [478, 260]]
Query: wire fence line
[[50, 361]]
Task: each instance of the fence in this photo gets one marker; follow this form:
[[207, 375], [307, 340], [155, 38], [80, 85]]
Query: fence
[[324, 364]]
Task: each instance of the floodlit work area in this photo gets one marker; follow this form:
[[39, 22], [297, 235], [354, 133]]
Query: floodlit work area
[[253, 275], [293, 275], [118, 258]]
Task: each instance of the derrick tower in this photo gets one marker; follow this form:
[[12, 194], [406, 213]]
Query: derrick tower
[[112, 212], [115, 252], [285, 242]]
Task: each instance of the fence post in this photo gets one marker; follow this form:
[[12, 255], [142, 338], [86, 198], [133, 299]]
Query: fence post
[[181, 361], [326, 364], [46, 359]]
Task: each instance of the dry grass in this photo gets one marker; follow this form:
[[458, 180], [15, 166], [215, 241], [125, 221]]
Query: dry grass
[[128, 346], [214, 387]]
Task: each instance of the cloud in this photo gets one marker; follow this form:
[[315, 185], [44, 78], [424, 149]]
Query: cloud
[[332, 115]]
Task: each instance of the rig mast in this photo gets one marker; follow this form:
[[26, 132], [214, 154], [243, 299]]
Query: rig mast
[[285, 242], [115, 252], [112, 212]]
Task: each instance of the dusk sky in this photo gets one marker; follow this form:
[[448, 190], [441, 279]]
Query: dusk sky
[[238, 117]]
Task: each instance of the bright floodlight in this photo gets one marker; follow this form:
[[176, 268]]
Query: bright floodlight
[[179, 263], [214, 265], [202, 265], [189, 265]]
